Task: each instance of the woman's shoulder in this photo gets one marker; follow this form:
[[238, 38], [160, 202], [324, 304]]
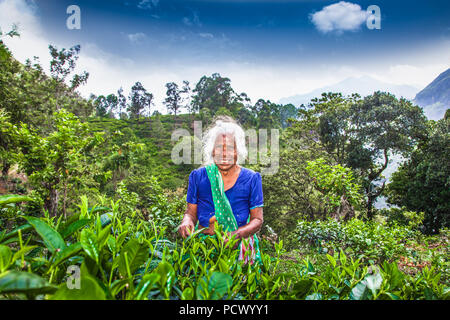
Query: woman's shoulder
[[250, 174], [199, 172]]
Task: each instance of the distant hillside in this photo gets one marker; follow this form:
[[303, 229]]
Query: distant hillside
[[435, 98], [362, 85]]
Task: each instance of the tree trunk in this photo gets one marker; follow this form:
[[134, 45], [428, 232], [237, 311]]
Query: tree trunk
[[5, 169], [345, 210]]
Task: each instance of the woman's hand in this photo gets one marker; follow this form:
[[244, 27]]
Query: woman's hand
[[229, 235], [189, 220], [186, 228]]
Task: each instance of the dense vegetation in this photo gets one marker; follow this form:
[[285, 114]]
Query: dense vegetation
[[90, 183]]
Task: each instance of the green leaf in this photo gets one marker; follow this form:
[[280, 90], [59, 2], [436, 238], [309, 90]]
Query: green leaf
[[74, 227], [302, 287], [5, 258], [89, 290], [52, 239], [359, 292], [15, 232], [22, 251], [167, 276], [332, 260], [390, 296], [137, 254], [446, 293], [90, 244], [118, 285], [13, 198], [342, 258], [188, 294], [67, 253], [219, 284], [106, 219], [24, 282], [145, 285]]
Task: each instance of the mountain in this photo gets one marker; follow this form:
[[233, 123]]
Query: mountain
[[435, 98], [363, 85]]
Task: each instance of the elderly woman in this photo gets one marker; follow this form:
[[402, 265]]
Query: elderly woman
[[224, 191]]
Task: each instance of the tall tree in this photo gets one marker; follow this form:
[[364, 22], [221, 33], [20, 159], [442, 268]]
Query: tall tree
[[186, 91], [267, 114], [121, 102], [63, 63], [422, 183], [363, 134], [140, 101], [213, 93], [173, 99], [105, 106], [384, 126]]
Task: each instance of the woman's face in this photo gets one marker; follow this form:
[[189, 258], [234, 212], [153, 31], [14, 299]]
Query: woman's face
[[224, 152]]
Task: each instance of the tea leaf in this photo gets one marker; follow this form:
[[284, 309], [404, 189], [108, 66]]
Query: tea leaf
[[90, 244], [24, 282], [52, 239]]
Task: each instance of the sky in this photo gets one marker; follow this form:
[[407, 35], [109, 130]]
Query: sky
[[270, 49]]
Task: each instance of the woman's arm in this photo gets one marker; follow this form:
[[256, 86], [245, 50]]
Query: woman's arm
[[254, 225], [189, 220]]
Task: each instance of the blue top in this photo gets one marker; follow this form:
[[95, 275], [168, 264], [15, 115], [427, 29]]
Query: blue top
[[246, 194]]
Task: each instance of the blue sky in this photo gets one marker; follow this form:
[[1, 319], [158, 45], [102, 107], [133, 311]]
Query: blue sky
[[269, 49]]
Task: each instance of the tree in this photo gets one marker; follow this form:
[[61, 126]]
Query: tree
[[290, 194], [8, 143], [338, 185], [121, 102], [140, 101], [361, 133], [187, 101], [286, 112], [60, 163], [173, 100], [215, 92], [267, 114], [105, 106], [28, 95], [63, 63], [422, 183], [384, 126]]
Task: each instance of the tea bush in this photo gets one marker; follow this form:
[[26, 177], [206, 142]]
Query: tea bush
[[369, 241], [121, 256]]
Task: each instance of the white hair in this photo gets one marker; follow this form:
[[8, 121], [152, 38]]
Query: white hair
[[224, 125]]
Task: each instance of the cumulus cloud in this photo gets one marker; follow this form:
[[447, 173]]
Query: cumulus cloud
[[339, 17]]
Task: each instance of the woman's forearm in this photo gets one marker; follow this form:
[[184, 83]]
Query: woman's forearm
[[249, 229]]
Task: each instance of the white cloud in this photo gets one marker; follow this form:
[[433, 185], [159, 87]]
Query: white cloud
[[206, 35], [418, 76], [23, 13], [339, 17], [137, 38], [192, 21], [148, 4]]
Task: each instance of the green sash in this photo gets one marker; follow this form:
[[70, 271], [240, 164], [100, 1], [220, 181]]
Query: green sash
[[249, 248]]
